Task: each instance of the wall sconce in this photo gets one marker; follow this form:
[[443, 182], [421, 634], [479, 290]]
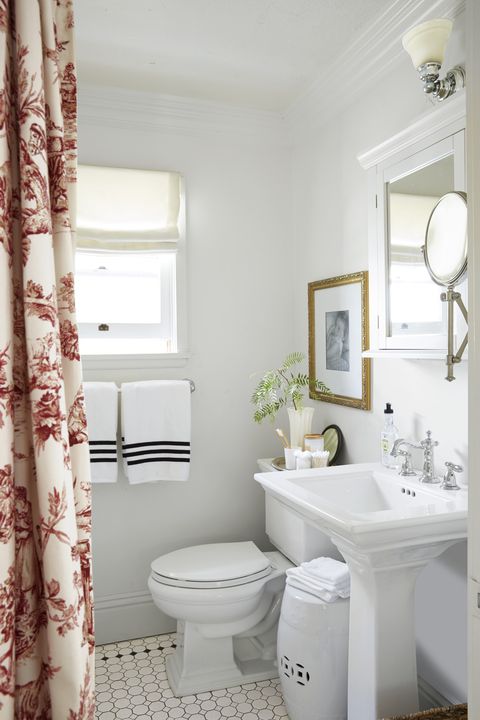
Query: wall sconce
[[426, 45]]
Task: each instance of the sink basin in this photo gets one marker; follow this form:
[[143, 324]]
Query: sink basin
[[363, 495], [387, 528], [367, 502]]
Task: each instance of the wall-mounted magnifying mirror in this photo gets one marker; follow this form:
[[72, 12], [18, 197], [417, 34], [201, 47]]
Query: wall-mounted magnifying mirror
[[445, 254]]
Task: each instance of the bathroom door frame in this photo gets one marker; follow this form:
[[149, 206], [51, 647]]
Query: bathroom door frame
[[473, 188]]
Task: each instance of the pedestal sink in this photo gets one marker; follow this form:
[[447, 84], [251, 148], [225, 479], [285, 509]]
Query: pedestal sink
[[387, 528]]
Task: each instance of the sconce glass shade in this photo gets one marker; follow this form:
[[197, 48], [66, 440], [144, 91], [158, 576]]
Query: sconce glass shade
[[426, 43]]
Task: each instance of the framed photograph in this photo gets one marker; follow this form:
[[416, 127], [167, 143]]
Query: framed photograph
[[337, 336]]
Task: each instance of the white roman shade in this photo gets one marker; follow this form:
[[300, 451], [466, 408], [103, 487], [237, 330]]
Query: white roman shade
[[123, 209]]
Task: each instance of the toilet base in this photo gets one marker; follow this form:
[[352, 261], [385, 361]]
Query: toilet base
[[222, 662]]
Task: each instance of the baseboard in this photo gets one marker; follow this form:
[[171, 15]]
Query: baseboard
[[126, 616], [430, 697], [107, 602]]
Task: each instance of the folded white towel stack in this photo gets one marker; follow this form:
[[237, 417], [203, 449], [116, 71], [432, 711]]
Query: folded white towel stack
[[323, 577], [156, 430], [101, 402]]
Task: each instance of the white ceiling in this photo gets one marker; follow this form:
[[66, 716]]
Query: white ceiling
[[261, 54]]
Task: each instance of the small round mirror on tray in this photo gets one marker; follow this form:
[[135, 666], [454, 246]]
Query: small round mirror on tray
[[333, 442]]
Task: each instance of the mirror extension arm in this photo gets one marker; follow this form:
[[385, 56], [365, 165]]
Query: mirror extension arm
[[451, 297]]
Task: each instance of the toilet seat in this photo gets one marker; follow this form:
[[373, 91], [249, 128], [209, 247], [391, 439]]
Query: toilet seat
[[216, 565], [234, 582]]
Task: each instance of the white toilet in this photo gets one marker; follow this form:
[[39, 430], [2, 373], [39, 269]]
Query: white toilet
[[226, 598]]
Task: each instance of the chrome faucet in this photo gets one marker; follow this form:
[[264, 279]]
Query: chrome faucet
[[427, 445], [407, 469], [428, 472]]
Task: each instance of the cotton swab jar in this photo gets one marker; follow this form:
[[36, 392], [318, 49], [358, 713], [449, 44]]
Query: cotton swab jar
[[320, 458]]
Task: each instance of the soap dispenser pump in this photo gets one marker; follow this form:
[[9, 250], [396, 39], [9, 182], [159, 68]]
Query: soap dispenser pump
[[388, 436]]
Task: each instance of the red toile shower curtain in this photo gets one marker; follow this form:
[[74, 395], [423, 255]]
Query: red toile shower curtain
[[46, 634]]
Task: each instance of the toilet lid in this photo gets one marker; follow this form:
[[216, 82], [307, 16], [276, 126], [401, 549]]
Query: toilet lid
[[217, 564]]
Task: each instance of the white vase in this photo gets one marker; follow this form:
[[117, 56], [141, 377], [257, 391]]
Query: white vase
[[300, 425]]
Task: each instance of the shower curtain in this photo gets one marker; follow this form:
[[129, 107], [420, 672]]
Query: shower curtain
[[46, 632]]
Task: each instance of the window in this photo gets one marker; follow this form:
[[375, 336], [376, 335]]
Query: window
[[126, 302], [129, 260]]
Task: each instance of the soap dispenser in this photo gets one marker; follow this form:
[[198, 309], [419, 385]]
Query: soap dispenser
[[388, 436]]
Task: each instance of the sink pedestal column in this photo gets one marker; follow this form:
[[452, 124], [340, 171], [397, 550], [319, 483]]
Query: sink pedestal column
[[382, 666]]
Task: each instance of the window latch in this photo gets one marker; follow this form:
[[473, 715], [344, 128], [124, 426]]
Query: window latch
[[103, 327]]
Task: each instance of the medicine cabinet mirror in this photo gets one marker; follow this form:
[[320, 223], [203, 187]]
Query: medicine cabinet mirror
[[408, 175]]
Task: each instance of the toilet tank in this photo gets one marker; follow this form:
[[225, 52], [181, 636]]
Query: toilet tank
[[293, 536]]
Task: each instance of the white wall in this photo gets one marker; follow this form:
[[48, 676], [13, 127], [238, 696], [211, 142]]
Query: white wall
[[243, 271], [240, 319], [330, 233]]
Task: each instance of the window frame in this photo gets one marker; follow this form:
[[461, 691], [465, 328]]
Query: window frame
[[179, 358]]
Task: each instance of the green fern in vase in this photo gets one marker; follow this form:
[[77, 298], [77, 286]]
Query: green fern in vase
[[283, 386]]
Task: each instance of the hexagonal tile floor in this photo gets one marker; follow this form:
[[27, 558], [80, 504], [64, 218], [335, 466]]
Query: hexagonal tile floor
[[131, 684]]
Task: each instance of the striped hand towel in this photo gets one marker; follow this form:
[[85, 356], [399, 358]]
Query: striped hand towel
[[156, 430], [101, 401]]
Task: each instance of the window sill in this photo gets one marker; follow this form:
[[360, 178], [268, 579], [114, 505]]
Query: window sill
[[134, 362]]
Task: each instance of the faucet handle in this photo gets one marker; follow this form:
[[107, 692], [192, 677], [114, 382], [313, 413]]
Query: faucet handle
[[406, 470], [455, 468], [428, 442], [449, 479]]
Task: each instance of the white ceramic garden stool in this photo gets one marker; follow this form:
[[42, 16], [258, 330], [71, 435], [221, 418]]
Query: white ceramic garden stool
[[312, 650], [226, 598]]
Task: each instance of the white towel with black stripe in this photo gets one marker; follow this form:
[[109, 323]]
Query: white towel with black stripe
[[156, 430], [101, 402]]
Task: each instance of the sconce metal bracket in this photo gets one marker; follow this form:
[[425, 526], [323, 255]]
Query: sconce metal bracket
[[441, 89]]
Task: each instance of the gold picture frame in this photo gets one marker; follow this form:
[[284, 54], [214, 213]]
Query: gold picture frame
[[338, 334]]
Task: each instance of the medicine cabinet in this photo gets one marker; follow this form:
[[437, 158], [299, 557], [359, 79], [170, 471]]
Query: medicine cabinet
[[407, 175]]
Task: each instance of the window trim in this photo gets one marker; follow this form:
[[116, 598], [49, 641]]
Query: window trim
[[152, 361]]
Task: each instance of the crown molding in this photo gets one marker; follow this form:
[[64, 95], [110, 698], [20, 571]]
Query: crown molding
[[451, 113], [369, 58], [121, 108]]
